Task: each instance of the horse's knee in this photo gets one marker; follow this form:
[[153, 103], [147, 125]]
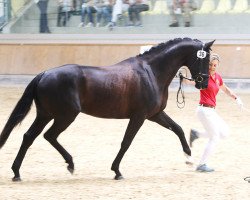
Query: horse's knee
[[126, 143], [28, 140]]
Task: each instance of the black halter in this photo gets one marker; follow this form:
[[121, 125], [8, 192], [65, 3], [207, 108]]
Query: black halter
[[200, 78], [201, 56]]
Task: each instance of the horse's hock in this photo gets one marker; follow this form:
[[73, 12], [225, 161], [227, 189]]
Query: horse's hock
[[31, 59]]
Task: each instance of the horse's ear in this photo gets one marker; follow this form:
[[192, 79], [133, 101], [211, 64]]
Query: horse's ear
[[208, 45]]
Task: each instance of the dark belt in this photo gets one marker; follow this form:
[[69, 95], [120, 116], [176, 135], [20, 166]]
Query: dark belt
[[206, 105]]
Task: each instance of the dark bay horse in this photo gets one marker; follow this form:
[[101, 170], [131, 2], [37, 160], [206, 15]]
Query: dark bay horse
[[135, 89]]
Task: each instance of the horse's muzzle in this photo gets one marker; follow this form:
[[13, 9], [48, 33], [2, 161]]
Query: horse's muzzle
[[201, 81]]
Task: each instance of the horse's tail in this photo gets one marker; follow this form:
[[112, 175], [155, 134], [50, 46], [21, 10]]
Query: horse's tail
[[21, 109]]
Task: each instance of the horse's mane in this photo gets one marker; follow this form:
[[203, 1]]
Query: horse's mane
[[164, 45]]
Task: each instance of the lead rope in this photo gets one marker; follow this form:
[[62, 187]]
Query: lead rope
[[180, 102]]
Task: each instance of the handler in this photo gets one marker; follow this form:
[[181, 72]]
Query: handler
[[215, 127]]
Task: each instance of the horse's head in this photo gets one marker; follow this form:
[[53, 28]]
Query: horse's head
[[198, 65]]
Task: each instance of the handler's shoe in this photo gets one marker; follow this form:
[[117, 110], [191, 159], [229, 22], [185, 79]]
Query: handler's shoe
[[193, 137], [204, 168]]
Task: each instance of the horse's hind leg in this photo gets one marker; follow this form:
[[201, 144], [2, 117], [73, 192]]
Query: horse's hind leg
[[133, 127], [28, 138], [59, 125], [164, 120]]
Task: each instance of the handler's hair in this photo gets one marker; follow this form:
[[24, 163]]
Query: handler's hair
[[214, 56]]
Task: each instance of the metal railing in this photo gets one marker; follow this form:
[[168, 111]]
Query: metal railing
[[5, 12]]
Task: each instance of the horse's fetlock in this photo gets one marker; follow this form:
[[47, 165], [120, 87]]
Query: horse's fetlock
[[15, 166], [69, 160], [187, 151], [113, 168]]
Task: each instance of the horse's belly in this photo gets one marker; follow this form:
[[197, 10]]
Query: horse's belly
[[106, 109]]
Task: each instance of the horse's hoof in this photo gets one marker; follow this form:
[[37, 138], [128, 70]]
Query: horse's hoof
[[16, 179], [71, 170], [189, 160], [118, 177]]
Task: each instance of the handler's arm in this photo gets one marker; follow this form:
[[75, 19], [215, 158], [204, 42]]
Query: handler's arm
[[228, 91]]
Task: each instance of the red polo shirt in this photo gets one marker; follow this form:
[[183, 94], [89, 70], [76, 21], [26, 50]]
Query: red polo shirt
[[208, 96]]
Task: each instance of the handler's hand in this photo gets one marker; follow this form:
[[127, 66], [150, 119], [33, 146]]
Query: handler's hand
[[239, 102]]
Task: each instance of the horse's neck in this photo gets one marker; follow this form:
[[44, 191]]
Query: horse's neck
[[167, 61], [166, 69]]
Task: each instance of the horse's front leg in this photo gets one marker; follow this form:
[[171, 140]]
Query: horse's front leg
[[134, 125], [164, 120]]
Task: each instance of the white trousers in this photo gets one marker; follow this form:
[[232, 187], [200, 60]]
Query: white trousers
[[215, 129]]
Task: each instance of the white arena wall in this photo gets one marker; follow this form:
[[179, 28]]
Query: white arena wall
[[29, 54]]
